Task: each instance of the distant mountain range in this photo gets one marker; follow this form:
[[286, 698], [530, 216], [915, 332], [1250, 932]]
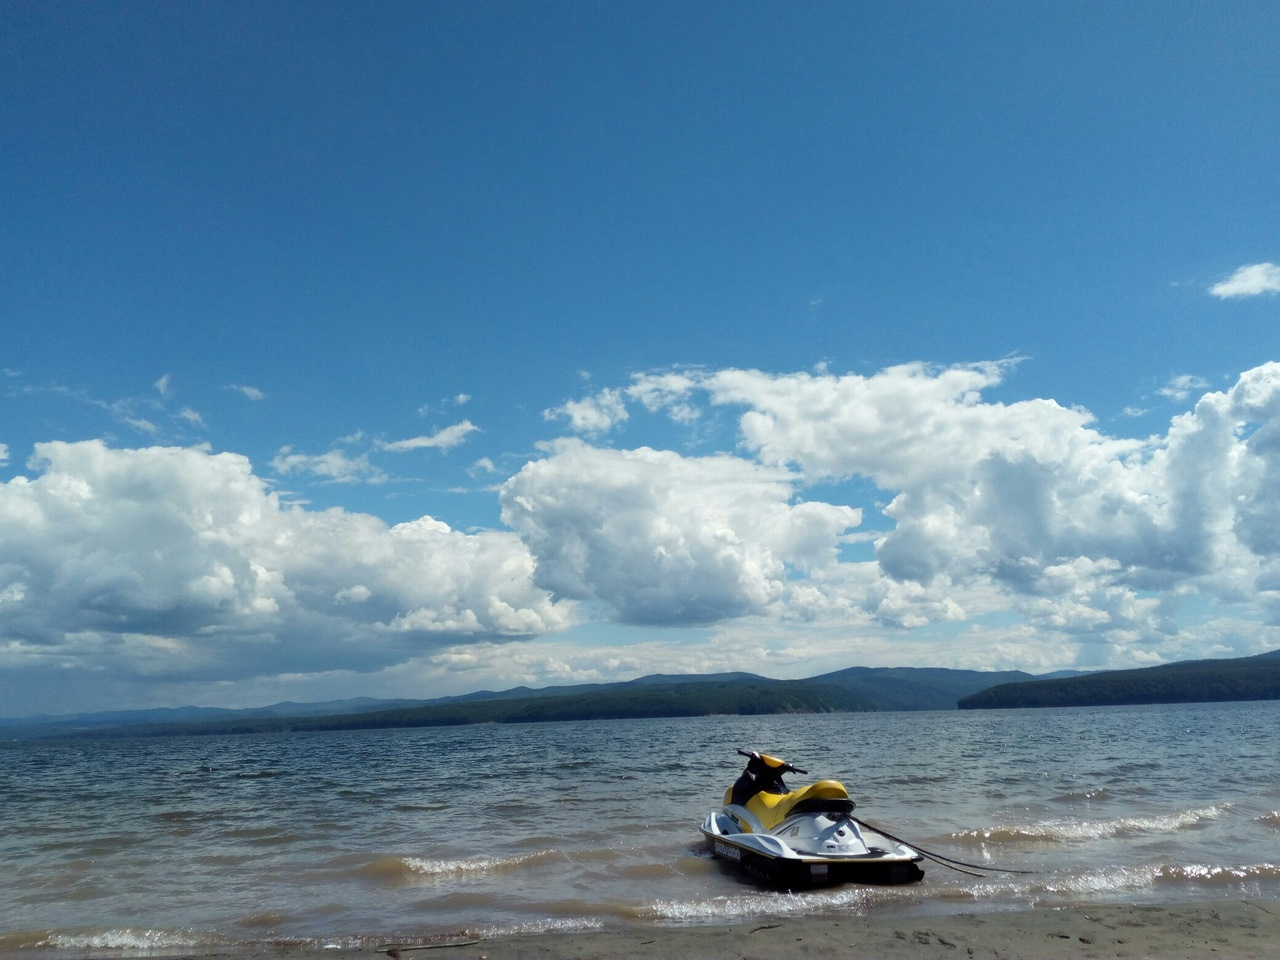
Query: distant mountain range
[[1190, 681], [854, 689], [114, 718], [666, 695]]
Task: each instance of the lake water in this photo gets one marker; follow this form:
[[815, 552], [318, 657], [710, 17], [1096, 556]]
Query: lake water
[[408, 836]]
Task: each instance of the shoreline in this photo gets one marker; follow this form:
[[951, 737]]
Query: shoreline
[[1228, 930], [1221, 930]]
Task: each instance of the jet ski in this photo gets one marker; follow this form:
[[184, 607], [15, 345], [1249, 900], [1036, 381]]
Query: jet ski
[[796, 839]]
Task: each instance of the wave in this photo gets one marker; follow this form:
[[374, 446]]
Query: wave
[[1067, 831], [263, 836], [847, 899], [419, 807], [1167, 881], [549, 925], [269, 920], [1088, 796], [1228, 876], [123, 938], [183, 816], [916, 780], [23, 940], [1223, 879], [409, 867], [1272, 818]]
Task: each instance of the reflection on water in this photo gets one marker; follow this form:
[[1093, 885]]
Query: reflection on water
[[376, 835]]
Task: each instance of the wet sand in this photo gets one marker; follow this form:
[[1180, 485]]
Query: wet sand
[[1227, 931], [1232, 930]]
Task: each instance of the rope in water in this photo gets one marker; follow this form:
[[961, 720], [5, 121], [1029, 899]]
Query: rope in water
[[938, 858]]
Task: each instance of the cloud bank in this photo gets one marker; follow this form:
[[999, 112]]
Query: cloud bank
[[181, 563], [1023, 507], [862, 508]]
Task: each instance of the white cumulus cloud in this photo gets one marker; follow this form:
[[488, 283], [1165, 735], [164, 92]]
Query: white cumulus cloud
[[1181, 387], [1024, 507], [591, 415], [661, 538], [179, 563], [666, 392], [1249, 281], [445, 439], [334, 466]]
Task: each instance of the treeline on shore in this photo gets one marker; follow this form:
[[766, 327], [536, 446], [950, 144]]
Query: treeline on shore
[[855, 689], [1190, 681], [692, 699]]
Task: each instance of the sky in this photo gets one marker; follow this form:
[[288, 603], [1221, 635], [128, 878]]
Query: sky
[[411, 349]]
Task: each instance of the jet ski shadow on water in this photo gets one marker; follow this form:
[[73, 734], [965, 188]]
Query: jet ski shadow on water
[[802, 838]]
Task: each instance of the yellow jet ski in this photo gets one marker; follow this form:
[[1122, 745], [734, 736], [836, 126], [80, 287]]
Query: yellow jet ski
[[802, 838]]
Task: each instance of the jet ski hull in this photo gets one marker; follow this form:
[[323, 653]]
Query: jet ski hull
[[768, 858]]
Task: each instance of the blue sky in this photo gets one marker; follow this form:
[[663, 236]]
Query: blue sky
[[410, 349]]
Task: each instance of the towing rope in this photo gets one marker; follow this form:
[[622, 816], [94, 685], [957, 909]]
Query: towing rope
[[938, 858]]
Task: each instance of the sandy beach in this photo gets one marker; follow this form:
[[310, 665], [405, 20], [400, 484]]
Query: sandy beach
[[1226, 931]]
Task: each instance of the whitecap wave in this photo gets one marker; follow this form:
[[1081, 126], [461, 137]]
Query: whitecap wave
[[1214, 874], [1147, 876], [1112, 881], [423, 867], [549, 925], [128, 939], [850, 899], [1075, 830]]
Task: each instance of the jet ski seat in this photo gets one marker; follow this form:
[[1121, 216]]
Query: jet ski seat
[[825, 796]]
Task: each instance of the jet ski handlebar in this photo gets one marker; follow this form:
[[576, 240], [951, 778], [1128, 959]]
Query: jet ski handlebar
[[785, 768]]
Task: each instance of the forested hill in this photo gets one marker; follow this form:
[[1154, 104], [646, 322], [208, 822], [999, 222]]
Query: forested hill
[[657, 695], [1191, 681], [920, 688], [694, 699]]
